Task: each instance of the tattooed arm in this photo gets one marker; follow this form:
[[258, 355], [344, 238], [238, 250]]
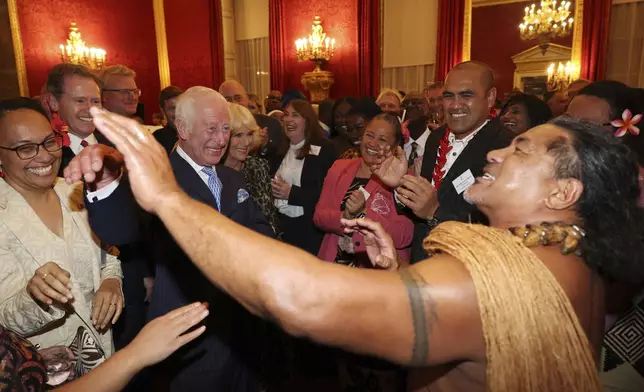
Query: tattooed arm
[[427, 315]]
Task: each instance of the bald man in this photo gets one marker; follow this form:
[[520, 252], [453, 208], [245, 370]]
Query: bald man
[[234, 92], [437, 195]]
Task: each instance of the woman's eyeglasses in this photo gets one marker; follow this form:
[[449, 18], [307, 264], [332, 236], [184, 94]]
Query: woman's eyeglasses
[[29, 150]]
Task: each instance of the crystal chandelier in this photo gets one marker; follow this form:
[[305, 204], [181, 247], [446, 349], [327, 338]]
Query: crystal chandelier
[[76, 52], [317, 47], [559, 77], [551, 20]]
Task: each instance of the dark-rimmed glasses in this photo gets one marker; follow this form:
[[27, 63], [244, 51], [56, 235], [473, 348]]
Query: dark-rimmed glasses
[[52, 143], [125, 91]]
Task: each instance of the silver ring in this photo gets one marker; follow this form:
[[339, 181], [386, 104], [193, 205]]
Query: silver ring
[[44, 276], [140, 135], [113, 303]]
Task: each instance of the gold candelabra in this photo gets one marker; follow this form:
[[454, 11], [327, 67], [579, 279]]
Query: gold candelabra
[[560, 76], [551, 20], [75, 51], [317, 47]]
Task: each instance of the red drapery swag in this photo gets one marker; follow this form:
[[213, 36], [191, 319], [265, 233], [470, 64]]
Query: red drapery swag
[[594, 39], [449, 51], [276, 43], [369, 47], [217, 43]]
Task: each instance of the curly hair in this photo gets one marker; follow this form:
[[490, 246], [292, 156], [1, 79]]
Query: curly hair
[[607, 207]]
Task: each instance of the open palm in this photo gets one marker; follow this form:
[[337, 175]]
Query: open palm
[[391, 168]]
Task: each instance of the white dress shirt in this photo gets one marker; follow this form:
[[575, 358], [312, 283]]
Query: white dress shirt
[[420, 142], [198, 168], [75, 142], [291, 172], [458, 145]]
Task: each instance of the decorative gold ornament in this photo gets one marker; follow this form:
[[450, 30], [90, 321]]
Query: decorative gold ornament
[[318, 48], [76, 52], [560, 77], [549, 21]]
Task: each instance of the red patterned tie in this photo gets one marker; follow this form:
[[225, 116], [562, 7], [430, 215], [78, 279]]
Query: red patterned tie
[[84, 143]]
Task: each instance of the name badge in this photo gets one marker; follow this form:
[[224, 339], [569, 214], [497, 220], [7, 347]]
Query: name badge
[[314, 150], [464, 181]]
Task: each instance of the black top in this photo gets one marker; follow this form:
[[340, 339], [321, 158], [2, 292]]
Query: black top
[[167, 137]]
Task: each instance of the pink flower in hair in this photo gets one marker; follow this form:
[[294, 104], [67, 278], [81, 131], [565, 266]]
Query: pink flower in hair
[[405, 131], [627, 124]]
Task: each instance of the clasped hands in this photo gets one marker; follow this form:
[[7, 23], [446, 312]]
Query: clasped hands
[[51, 286], [414, 192]]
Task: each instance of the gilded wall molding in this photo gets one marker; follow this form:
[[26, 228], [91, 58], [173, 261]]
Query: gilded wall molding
[[19, 54], [162, 44], [577, 32], [467, 31]]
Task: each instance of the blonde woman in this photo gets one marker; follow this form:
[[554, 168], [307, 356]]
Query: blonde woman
[[245, 138]]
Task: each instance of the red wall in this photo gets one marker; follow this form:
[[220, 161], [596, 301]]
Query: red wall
[[124, 28], [495, 39], [189, 33], [340, 21]]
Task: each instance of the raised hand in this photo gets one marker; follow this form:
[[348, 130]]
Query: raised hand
[[97, 164], [50, 284], [419, 195], [151, 176], [378, 244], [166, 334], [391, 166], [355, 204]]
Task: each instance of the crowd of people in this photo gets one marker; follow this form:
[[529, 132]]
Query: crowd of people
[[433, 239]]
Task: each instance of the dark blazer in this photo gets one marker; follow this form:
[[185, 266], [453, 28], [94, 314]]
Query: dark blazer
[[276, 135], [452, 206], [302, 232], [167, 137], [68, 154], [222, 358]]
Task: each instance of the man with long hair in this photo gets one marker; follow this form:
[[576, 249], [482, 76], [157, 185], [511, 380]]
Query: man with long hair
[[518, 306]]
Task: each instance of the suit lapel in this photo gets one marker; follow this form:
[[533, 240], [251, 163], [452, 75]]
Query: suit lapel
[[100, 138], [190, 181], [473, 157], [431, 150]]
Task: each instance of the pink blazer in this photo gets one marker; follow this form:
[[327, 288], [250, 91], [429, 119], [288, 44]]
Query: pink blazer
[[380, 207]]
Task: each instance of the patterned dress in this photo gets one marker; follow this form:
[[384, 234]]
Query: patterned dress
[[21, 367], [258, 181]]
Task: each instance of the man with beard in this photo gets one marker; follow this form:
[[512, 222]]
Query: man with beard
[[454, 154], [513, 307]]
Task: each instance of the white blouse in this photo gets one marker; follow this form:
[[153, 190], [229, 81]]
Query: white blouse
[[291, 172]]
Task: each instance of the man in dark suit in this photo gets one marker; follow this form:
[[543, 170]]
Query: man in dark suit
[[273, 135], [167, 136], [73, 90], [454, 155], [225, 358]]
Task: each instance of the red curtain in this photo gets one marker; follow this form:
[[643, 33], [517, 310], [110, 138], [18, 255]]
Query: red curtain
[[594, 39], [217, 43], [369, 47], [276, 42], [449, 51]]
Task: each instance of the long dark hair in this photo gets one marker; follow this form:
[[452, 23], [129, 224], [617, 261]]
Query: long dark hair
[[607, 207], [312, 130], [350, 100]]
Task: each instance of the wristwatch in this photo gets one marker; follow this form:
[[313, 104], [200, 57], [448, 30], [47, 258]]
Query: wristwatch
[[432, 223]]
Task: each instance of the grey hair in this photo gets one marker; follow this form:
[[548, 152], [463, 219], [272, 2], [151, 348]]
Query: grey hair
[[116, 70], [186, 102]]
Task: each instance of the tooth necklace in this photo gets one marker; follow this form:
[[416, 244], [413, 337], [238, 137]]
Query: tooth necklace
[[569, 236]]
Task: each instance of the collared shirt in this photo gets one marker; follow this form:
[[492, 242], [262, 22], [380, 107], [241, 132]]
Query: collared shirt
[[458, 145], [75, 142], [421, 141], [291, 172], [196, 167]]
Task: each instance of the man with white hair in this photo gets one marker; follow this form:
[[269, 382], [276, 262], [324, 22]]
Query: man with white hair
[[223, 359]]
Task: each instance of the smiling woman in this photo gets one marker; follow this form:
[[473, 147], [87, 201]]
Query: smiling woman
[[57, 286]]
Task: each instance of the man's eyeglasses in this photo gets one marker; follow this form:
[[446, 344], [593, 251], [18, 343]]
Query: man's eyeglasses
[[125, 91], [29, 150]]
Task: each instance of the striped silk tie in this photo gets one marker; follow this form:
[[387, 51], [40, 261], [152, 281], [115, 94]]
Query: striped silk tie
[[214, 184]]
